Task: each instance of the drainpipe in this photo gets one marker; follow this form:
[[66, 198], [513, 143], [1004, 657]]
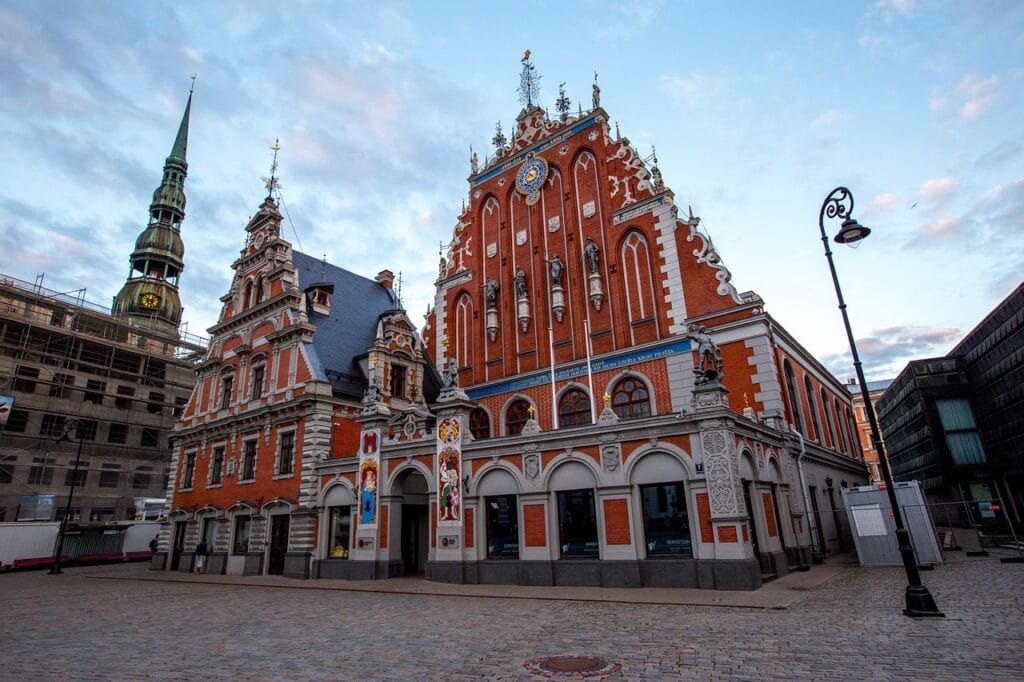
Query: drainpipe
[[803, 493]]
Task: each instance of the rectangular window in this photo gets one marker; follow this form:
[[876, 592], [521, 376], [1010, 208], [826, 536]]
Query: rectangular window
[[577, 523], [7, 468], [41, 472], [17, 421], [59, 387], [502, 527], [258, 374], [101, 514], [94, 391], [397, 381], [53, 425], [961, 431], [341, 528], [190, 470], [156, 403], [123, 401], [74, 514], [216, 466], [240, 542], [110, 477], [87, 429], [226, 385], [141, 479], [150, 438], [249, 461], [24, 379], [117, 433], [179, 406], [76, 476], [286, 459], [209, 532], [666, 522]]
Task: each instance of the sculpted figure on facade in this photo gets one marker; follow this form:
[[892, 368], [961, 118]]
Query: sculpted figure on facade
[[557, 267], [709, 357], [593, 254], [520, 281], [491, 288]]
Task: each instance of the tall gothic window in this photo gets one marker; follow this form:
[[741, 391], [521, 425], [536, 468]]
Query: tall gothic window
[[636, 276], [794, 396], [480, 423], [812, 408], [259, 373], [840, 427], [515, 416], [630, 399], [828, 420], [463, 351], [574, 408], [227, 382]]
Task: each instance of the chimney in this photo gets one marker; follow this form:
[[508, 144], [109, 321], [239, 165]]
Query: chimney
[[386, 279]]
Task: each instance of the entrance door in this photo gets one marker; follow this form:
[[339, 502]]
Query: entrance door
[[278, 543], [818, 532], [414, 538], [753, 527], [178, 545]]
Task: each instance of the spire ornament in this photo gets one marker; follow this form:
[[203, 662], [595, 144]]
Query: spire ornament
[[529, 82], [272, 183], [562, 104], [499, 138]]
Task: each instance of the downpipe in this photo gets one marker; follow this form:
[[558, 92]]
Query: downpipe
[[803, 493]]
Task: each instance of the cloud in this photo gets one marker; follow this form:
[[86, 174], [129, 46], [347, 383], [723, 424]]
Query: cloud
[[884, 352], [830, 118], [688, 89], [884, 203], [1000, 154], [977, 94], [937, 190]]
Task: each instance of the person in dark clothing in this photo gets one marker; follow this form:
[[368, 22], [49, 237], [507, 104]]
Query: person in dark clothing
[[201, 551]]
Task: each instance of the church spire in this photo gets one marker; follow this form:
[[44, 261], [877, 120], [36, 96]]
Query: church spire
[[150, 295]]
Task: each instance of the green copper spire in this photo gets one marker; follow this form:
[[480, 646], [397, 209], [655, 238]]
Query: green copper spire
[[150, 295], [181, 141]]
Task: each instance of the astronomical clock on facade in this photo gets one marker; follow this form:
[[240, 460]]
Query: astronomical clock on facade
[[590, 402]]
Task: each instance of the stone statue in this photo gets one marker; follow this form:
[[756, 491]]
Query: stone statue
[[372, 394], [491, 288], [450, 375], [709, 357], [593, 253], [597, 93], [520, 281], [474, 162], [557, 268]]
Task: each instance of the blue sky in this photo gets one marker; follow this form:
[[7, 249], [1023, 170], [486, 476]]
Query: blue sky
[[757, 110]]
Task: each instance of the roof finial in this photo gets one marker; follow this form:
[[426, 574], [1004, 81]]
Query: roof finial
[[529, 87], [499, 137], [192, 88], [562, 104], [398, 289], [323, 268], [271, 183]]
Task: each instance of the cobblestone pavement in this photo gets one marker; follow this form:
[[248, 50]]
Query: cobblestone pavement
[[79, 627]]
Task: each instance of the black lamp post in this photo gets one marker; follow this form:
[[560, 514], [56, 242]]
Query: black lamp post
[[77, 426], [839, 204]]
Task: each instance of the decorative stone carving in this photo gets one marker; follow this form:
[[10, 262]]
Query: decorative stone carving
[[709, 368], [531, 465], [611, 457]]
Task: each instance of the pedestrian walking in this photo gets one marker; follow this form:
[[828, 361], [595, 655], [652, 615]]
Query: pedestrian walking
[[201, 551]]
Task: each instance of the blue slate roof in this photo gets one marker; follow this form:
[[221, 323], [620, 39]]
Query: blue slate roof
[[349, 331]]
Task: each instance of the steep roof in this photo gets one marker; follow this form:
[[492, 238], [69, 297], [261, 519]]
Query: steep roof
[[350, 329]]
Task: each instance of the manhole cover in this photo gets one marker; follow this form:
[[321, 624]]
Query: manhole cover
[[571, 666]]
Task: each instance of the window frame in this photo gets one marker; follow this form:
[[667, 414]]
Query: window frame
[[631, 407], [518, 407], [490, 524], [681, 496], [281, 471], [591, 546], [580, 416]]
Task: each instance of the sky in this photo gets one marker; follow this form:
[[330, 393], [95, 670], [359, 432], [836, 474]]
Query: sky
[[757, 111]]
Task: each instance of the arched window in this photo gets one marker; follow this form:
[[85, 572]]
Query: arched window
[[794, 396], [828, 420], [258, 379], [636, 277], [840, 427], [247, 295], [480, 423], [227, 384], [854, 434], [515, 416], [463, 329], [812, 408], [630, 399], [574, 408]]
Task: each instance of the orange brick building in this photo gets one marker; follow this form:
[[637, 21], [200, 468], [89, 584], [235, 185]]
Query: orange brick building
[[571, 306]]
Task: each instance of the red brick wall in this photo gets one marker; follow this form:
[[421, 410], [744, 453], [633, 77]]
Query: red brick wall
[[383, 526], [533, 519], [616, 522], [468, 528], [727, 534], [704, 514]]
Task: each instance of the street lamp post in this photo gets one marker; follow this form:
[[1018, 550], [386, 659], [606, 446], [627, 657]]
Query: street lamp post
[[61, 531], [839, 204]]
